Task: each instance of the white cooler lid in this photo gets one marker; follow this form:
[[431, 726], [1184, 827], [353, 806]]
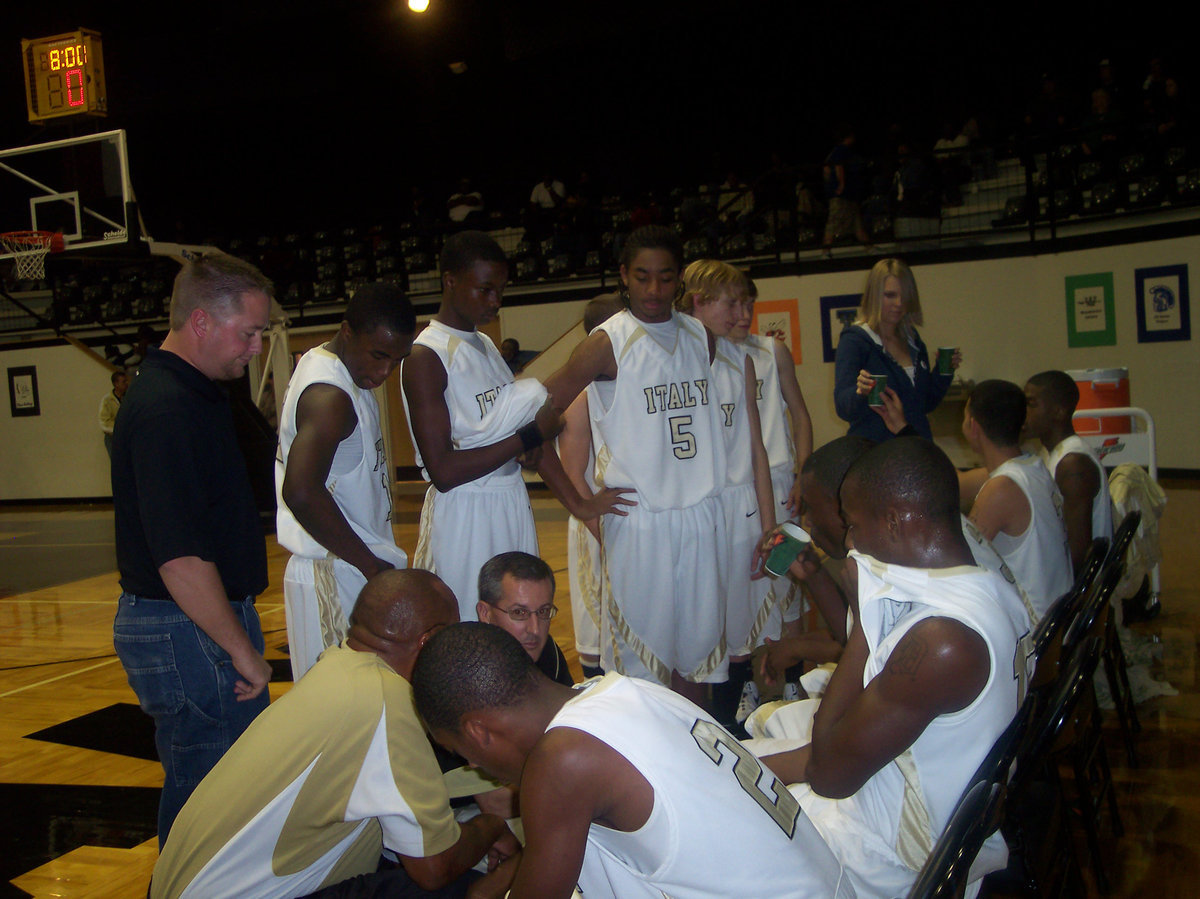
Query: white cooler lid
[[1097, 374]]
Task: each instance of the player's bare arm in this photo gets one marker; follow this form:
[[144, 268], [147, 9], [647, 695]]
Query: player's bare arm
[[969, 484], [570, 780], [940, 666], [475, 838], [764, 492], [593, 359], [1078, 481], [801, 421], [780, 655], [324, 418], [1001, 507], [574, 451], [424, 385]]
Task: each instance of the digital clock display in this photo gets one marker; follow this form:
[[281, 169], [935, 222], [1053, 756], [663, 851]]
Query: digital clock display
[[64, 75]]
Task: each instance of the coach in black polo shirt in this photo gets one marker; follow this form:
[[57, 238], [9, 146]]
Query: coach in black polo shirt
[[189, 545]]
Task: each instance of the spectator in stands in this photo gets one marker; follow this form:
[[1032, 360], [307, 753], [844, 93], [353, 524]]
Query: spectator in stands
[[516, 593], [845, 173], [580, 217], [735, 206], [547, 206], [548, 194], [1050, 399], [1160, 103], [465, 207], [1106, 78], [1049, 112], [951, 153], [884, 341], [418, 213], [1101, 130], [776, 194], [1018, 508], [917, 183], [110, 403]]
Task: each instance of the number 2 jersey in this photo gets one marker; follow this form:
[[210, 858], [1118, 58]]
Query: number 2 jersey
[[722, 825], [657, 427]]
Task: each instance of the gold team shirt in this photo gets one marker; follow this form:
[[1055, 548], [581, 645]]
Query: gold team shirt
[[327, 776]]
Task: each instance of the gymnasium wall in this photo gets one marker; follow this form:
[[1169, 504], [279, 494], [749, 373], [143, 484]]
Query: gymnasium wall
[[1008, 315], [59, 453], [1009, 318]]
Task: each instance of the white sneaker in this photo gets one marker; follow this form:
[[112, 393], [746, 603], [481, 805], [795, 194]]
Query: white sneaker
[[791, 691], [748, 703]]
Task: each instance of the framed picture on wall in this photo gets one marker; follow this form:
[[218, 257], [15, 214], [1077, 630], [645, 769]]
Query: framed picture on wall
[[779, 319], [837, 314], [23, 391], [1163, 309], [1090, 318]]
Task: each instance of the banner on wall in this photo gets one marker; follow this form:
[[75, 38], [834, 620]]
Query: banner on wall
[[1090, 317], [837, 313], [1163, 311], [779, 319]]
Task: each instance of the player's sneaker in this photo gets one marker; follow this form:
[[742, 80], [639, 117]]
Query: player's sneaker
[[748, 703], [791, 691]]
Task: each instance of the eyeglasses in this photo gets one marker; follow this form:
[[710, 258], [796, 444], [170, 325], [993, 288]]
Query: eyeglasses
[[520, 613]]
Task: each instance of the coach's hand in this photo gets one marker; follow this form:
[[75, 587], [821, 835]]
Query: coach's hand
[[257, 673]]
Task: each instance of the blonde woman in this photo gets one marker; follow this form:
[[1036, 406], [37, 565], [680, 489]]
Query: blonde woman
[[884, 341]]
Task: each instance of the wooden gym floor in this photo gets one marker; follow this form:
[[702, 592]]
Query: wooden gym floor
[[79, 780]]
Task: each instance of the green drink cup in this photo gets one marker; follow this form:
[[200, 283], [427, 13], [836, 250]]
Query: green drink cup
[[793, 540], [875, 397], [945, 360]]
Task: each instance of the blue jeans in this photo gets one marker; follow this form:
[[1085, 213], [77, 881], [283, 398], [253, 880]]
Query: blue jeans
[[185, 682]]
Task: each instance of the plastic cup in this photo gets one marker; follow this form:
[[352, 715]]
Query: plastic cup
[[945, 360], [875, 397], [792, 541]]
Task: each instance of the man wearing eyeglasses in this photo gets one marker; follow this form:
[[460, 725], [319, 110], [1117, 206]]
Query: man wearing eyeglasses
[[516, 593]]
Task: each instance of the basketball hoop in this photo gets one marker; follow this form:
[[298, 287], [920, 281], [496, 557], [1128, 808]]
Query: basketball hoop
[[29, 250]]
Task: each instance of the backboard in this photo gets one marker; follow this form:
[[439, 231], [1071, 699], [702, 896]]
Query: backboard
[[79, 186]]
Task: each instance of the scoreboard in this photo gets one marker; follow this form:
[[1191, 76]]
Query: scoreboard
[[64, 76]]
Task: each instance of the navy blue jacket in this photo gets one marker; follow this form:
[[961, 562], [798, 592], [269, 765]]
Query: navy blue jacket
[[856, 351]]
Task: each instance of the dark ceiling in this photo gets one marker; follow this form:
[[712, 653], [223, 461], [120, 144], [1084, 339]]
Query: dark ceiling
[[280, 112]]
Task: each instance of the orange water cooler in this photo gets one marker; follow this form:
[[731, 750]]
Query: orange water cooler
[[1102, 388]]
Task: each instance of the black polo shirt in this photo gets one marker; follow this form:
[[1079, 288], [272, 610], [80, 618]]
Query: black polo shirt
[[179, 482], [553, 664]]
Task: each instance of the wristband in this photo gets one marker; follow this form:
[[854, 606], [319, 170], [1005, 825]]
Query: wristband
[[531, 436]]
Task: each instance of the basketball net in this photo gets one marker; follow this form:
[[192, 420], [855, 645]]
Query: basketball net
[[29, 250]]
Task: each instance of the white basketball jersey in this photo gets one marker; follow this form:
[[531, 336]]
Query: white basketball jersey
[[476, 373], [729, 388], [657, 427], [985, 556], [908, 802], [1102, 517], [358, 478], [1041, 557], [772, 411], [722, 825]]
